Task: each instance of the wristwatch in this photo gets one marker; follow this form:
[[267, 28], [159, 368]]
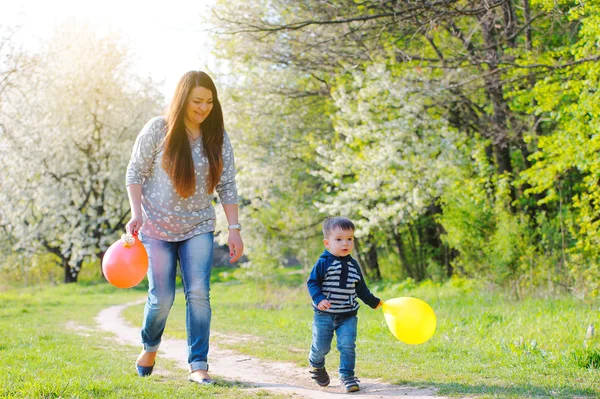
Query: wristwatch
[[237, 226]]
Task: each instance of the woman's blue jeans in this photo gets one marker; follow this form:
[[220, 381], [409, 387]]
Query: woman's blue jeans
[[324, 325], [195, 259]]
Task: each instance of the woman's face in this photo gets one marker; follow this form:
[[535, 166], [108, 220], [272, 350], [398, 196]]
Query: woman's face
[[199, 104]]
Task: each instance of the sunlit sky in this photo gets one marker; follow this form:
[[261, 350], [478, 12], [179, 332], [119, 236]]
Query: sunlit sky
[[166, 37]]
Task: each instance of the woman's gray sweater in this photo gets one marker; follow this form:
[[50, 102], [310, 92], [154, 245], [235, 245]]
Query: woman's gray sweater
[[168, 216]]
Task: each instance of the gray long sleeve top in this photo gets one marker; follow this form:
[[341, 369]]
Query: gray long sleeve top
[[167, 216]]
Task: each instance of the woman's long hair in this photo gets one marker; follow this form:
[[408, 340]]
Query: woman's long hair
[[177, 158]]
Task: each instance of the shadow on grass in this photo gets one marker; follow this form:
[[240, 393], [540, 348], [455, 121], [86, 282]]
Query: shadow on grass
[[220, 382], [519, 390]]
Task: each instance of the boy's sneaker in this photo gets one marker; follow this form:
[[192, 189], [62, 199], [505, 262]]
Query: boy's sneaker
[[350, 384], [320, 376]]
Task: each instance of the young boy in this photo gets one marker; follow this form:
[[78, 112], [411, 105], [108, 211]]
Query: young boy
[[334, 283]]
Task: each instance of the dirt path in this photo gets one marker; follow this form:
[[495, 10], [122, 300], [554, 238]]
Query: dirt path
[[272, 376]]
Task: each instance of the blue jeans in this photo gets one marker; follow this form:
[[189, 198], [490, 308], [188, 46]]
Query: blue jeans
[[195, 260], [324, 325]]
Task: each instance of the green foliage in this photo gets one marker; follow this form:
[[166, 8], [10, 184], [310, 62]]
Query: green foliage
[[274, 161], [19, 269], [459, 143], [22, 270], [565, 170]]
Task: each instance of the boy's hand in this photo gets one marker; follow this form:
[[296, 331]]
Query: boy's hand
[[380, 304], [324, 305]]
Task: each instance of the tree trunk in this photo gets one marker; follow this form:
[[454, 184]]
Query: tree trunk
[[100, 256], [373, 262], [420, 251], [494, 90], [415, 246], [402, 254], [536, 126], [433, 231], [369, 258], [70, 273], [502, 154], [362, 259]]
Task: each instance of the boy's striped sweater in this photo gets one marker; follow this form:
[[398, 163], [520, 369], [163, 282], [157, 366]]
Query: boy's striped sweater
[[340, 281]]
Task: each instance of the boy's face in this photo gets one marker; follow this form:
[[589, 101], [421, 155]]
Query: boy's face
[[340, 242]]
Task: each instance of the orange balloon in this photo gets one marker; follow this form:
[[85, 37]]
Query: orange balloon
[[125, 263]]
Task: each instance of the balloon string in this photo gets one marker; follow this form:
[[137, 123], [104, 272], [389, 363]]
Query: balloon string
[[128, 240]]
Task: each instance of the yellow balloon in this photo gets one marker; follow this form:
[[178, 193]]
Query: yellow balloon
[[411, 320]]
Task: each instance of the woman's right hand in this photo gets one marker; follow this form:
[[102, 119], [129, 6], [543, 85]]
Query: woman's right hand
[[134, 225]]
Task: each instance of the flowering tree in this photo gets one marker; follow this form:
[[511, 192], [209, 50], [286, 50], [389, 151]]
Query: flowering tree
[[68, 134], [392, 158], [272, 136]]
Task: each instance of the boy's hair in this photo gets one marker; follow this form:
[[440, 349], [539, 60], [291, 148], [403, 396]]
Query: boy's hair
[[335, 222]]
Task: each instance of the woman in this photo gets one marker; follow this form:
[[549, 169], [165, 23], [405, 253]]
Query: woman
[[176, 164]]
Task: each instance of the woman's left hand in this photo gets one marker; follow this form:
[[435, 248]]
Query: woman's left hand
[[236, 246]]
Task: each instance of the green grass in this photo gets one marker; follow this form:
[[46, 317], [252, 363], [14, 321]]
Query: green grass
[[485, 345], [50, 348]]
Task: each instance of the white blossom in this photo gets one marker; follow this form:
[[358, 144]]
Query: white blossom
[[69, 130]]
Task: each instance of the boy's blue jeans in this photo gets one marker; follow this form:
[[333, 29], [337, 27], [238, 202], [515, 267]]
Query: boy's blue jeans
[[195, 260], [322, 333]]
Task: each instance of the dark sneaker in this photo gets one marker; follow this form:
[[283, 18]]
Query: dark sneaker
[[350, 384], [320, 376]]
